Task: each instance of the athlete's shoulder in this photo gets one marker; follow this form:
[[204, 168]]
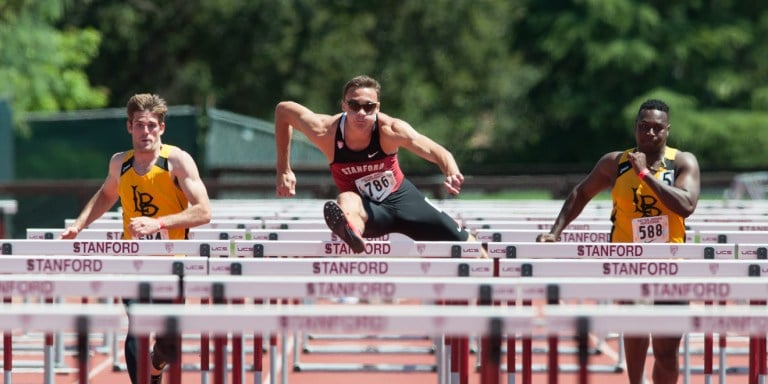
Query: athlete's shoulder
[[390, 125], [119, 157], [615, 156]]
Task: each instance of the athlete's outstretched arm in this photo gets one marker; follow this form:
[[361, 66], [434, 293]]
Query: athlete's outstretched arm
[[599, 179], [103, 200], [290, 115], [404, 135]]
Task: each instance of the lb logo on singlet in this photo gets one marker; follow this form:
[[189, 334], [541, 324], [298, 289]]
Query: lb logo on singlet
[[142, 202], [645, 204]]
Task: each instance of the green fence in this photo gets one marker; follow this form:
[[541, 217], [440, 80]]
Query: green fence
[[242, 148]]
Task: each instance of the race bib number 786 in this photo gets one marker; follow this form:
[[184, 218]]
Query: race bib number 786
[[377, 186]]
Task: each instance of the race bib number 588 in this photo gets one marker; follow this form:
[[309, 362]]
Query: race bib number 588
[[651, 229]]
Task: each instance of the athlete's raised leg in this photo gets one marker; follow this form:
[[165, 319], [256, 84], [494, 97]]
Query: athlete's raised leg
[[346, 218]]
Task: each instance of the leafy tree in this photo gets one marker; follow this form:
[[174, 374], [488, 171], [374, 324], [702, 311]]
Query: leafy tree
[[599, 56], [525, 85], [41, 67]]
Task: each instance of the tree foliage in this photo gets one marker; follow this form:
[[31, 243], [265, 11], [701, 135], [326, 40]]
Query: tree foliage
[[43, 68], [504, 85]]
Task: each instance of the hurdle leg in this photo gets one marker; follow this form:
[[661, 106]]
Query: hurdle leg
[[48, 359], [708, 357], [171, 332], [552, 360], [489, 366], [115, 347], [82, 349], [58, 339], [582, 336], [453, 360], [721, 355], [205, 351], [686, 359], [273, 359], [238, 372], [7, 356], [284, 345], [7, 351], [754, 355], [490, 347], [761, 366], [48, 353], [273, 353], [220, 359], [527, 354], [439, 342], [464, 360], [142, 365], [511, 361], [106, 344], [258, 354]]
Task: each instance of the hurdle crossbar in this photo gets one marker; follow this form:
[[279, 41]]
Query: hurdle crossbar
[[426, 249], [31, 286], [117, 234], [599, 269], [483, 289], [366, 266], [332, 319], [629, 251], [76, 264], [115, 247]]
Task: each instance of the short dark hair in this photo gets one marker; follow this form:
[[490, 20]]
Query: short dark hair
[[361, 81], [653, 104]]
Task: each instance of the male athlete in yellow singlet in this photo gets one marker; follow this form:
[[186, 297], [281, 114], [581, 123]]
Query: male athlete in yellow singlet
[[160, 192], [654, 188]]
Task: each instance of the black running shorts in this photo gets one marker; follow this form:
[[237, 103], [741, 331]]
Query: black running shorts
[[409, 212]]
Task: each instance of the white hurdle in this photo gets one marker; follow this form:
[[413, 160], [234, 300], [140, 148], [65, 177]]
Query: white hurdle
[[489, 321], [373, 266], [342, 268], [628, 260], [628, 251], [600, 236], [76, 247], [50, 287], [87, 257], [427, 249], [81, 318], [665, 320]]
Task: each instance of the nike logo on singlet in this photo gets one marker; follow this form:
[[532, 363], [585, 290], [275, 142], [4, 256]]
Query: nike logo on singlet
[[371, 155]]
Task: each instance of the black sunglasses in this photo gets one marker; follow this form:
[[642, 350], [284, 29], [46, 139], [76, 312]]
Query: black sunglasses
[[356, 106]]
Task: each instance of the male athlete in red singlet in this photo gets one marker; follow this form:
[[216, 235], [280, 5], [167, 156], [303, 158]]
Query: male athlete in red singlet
[[361, 144]]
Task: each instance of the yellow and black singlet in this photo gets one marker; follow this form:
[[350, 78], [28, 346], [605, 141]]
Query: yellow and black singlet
[[638, 215], [154, 194]]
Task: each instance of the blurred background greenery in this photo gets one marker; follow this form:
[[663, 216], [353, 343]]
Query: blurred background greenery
[[506, 85], [510, 87]]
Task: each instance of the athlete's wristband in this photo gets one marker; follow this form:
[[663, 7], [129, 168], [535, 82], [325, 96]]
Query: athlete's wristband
[[162, 225], [643, 173]]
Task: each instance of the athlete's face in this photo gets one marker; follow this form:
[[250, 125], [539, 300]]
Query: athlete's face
[[145, 129], [361, 106], [651, 129]]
